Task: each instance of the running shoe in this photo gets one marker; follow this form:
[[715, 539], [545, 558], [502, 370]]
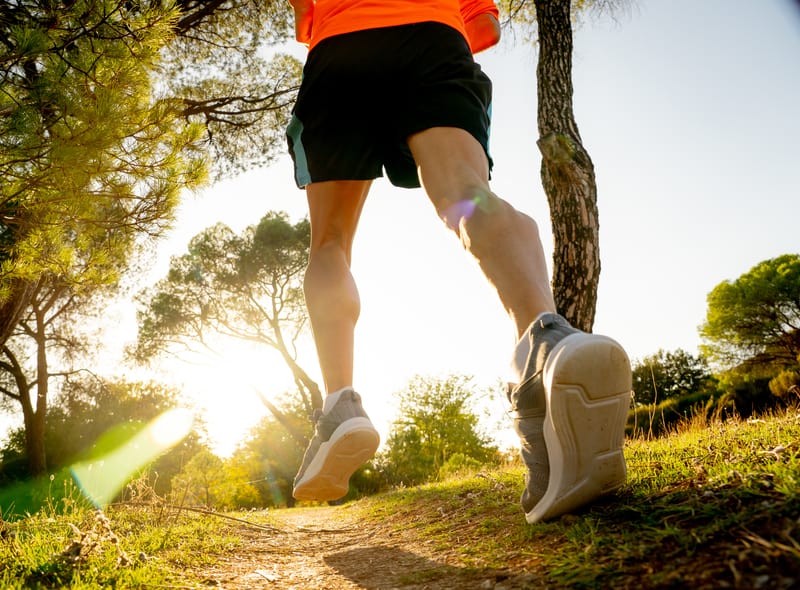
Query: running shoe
[[570, 412], [344, 439]]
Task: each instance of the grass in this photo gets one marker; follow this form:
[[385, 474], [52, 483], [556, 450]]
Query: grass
[[713, 505], [71, 545]]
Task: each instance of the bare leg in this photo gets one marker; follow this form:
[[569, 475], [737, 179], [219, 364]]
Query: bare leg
[[576, 454], [454, 172], [344, 438], [330, 291]]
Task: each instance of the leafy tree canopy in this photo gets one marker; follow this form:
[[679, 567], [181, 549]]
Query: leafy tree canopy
[[222, 70], [85, 148], [271, 454], [436, 421], [109, 108], [755, 319], [246, 286], [666, 375], [89, 157], [93, 416]]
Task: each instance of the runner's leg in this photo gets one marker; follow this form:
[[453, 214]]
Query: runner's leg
[[454, 172], [570, 405], [330, 290]]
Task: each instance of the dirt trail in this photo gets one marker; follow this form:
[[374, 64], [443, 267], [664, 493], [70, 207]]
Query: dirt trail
[[328, 548]]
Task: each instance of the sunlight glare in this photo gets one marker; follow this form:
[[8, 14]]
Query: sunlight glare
[[169, 428], [102, 478]]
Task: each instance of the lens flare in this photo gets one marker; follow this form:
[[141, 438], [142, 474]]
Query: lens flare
[[102, 478], [458, 211]]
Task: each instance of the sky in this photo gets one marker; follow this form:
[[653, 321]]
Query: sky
[[689, 111]]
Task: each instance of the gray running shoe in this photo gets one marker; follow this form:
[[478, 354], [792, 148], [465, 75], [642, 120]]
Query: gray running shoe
[[344, 439], [570, 412]]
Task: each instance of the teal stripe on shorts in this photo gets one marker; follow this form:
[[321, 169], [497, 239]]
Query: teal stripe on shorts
[[294, 131]]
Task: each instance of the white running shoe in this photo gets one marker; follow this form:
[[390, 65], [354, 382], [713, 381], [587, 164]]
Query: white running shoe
[[344, 439], [570, 412]]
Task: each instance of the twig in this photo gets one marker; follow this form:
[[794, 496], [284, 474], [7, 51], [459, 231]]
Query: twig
[[210, 513]]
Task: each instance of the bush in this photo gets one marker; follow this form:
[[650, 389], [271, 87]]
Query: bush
[[786, 384], [657, 420]]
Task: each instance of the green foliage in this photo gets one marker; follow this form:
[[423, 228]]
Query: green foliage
[[437, 421], [54, 494], [101, 129], [666, 375], [745, 393], [201, 482], [703, 508], [123, 547], [235, 285], [752, 331], [708, 507], [90, 158], [215, 483], [109, 110], [786, 384], [659, 419], [459, 465], [92, 417], [271, 455], [755, 319], [222, 71], [258, 474]]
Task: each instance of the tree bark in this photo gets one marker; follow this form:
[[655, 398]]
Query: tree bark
[[33, 415], [12, 308], [567, 171], [37, 458]]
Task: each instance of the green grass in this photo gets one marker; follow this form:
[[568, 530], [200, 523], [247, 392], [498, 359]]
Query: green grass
[[71, 545], [710, 506]]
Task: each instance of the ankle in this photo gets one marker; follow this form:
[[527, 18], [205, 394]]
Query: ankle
[[332, 398]]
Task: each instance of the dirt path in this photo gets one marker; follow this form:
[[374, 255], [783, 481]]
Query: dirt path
[[328, 548]]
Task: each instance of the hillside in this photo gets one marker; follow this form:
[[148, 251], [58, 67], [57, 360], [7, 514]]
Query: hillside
[[714, 506]]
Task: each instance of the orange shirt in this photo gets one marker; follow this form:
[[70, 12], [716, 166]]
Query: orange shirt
[[335, 17]]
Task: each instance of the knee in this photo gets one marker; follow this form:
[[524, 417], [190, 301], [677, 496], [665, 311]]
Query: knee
[[479, 208], [463, 205], [486, 223]]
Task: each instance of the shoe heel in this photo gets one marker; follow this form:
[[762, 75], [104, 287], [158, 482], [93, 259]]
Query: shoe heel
[[588, 382], [328, 476]]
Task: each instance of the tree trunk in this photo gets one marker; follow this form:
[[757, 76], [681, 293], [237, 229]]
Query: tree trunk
[[11, 308], [308, 388], [34, 442], [32, 417], [37, 459], [567, 171]]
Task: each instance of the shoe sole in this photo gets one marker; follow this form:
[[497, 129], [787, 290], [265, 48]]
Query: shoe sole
[[587, 381], [327, 477]]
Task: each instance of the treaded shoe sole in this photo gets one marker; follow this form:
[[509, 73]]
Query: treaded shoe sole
[[327, 477], [587, 382]]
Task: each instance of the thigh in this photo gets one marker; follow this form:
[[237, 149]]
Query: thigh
[[443, 89], [453, 166], [334, 211]]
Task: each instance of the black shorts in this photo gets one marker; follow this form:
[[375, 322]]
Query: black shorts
[[364, 93]]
